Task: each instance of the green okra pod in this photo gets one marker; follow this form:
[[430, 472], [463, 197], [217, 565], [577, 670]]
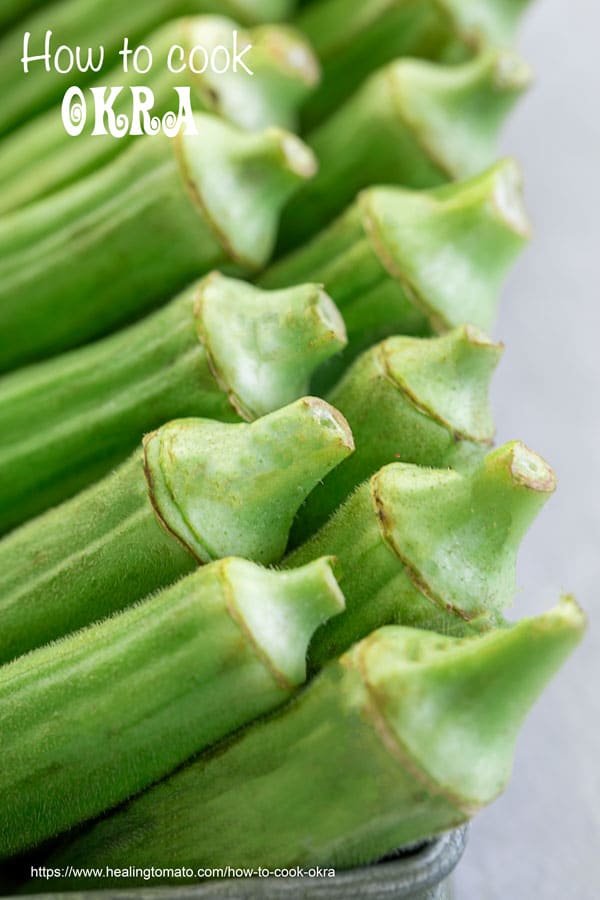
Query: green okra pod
[[414, 123], [409, 734], [352, 38], [429, 548], [199, 491], [91, 720], [41, 156], [111, 247], [416, 400], [415, 262], [94, 24], [222, 350]]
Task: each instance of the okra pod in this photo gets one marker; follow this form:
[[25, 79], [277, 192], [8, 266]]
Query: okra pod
[[111, 247], [416, 400], [92, 24], [413, 123], [199, 491], [41, 157], [352, 38], [429, 548], [409, 734], [104, 713], [222, 350], [415, 262]]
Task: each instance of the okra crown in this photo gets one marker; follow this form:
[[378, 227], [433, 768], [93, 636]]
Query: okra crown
[[456, 112], [283, 64], [282, 610], [447, 378], [265, 345], [452, 707], [241, 182], [450, 247], [458, 533], [233, 490]]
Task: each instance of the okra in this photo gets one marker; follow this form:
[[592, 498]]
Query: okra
[[91, 25], [41, 156], [409, 734], [111, 247], [415, 262], [352, 38], [417, 400], [198, 491], [413, 123], [106, 712], [222, 350], [429, 548]]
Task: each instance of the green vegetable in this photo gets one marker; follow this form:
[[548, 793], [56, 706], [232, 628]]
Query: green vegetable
[[223, 349], [414, 262], [199, 491], [102, 714], [352, 38], [91, 24], [409, 734], [41, 156], [114, 245], [13, 10], [429, 548], [413, 123], [417, 400]]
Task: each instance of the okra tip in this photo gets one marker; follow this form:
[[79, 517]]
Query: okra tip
[[293, 53], [282, 610], [448, 378], [263, 346], [478, 690], [241, 181], [524, 468]]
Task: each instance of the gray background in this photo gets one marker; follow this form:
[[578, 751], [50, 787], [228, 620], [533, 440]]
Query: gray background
[[541, 840]]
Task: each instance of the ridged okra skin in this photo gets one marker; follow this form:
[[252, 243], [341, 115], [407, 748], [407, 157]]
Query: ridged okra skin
[[409, 734], [352, 38], [429, 548], [98, 716], [222, 350], [91, 24], [200, 491], [415, 124], [40, 157], [412, 400], [414, 262], [113, 246]]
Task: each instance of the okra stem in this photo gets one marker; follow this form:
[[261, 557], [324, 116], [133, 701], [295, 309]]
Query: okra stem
[[429, 548], [414, 262], [222, 350], [41, 156], [353, 38], [413, 123], [414, 400], [91, 720], [114, 245], [92, 24], [409, 734], [200, 491]]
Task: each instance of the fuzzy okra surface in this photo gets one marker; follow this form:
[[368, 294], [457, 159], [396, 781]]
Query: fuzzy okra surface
[[352, 38], [429, 548], [222, 350], [407, 735], [415, 124], [41, 157], [115, 245], [414, 262], [199, 490], [94, 718]]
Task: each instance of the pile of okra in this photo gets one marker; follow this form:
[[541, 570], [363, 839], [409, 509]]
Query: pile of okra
[[257, 544]]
